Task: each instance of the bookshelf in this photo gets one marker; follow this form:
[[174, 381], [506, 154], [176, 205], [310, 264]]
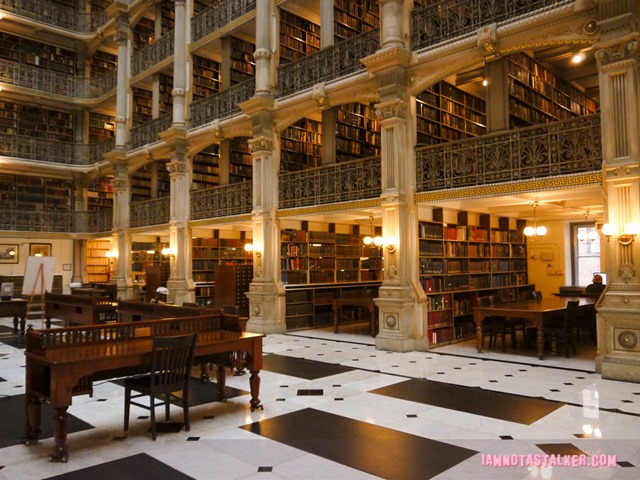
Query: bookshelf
[[206, 168], [166, 98], [101, 127], [150, 181], [446, 113], [537, 95], [231, 284], [242, 66], [460, 262], [199, 5], [35, 193], [143, 33], [99, 194], [39, 122], [142, 105], [357, 132], [206, 77], [38, 54], [352, 17], [102, 62], [96, 262], [240, 161], [298, 37], [145, 255], [167, 16], [99, 5], [301, 146]]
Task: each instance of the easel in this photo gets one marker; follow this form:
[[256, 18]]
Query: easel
[[38, 279], [31, 297]]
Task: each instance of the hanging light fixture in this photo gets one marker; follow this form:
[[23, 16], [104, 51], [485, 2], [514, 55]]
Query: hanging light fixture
[[534, 231], [376, 240], [589, 235]]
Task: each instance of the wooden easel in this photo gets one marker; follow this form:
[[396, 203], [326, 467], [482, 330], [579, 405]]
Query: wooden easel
[[31, 301]]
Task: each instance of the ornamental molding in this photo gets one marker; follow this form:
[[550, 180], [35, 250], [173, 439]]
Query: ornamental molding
[[177, 166], [618, 54], [392, 109], [261, 144], [262, 54], [387, 57], [330, 208]]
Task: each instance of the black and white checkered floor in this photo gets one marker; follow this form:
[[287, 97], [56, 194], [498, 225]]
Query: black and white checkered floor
[[337, 408]]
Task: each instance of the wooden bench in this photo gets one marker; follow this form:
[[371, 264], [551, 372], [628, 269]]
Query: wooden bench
[[135, 310], [64, 362], [79, 309]]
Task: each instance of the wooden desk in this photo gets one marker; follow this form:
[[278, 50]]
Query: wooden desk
[[366, 303], [16, 308], [79, 309], [63, 362], [535, 312]]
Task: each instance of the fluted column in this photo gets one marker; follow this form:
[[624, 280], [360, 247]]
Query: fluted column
[[121, 238], [618, 317]]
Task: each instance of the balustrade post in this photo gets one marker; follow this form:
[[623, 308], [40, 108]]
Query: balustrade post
[[618, 309]]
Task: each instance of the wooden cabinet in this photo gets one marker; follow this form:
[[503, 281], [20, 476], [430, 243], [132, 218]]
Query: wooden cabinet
[[460, 262], [97, 263], [357, 132], [298, 37], [231, 284], [445, 113], [311, 307], [537, 95], [301, 146], [352, 17]]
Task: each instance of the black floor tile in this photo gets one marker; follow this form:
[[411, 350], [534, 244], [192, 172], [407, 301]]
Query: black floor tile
[[559, 449], [300, 367], [12, 421], [135, 467], [379, 451], [502, 406]]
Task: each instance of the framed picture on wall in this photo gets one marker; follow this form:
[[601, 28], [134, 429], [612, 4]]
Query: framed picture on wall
[[8, 253], [39, 249]]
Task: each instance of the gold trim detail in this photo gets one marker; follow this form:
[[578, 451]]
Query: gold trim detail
[[329, 208]]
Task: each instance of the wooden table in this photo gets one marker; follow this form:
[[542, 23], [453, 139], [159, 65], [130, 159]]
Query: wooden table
[[536, 312], [16, 308], [57, 373], [366, 303]]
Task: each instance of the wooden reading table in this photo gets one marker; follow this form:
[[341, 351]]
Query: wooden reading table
[[16, 308], [536, 312], [63, 362], [79, 309], [366, 303]]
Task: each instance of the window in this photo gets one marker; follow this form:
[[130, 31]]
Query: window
[[586, 253]]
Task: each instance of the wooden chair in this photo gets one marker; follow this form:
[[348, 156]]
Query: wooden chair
[[529, 334], [170, 370], [563, 329], [493, 324]]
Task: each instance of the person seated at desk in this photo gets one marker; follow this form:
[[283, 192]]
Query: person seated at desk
[[596, 287]]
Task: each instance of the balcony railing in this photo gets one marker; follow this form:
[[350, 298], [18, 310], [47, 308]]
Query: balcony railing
[[218, 15], [152, 54], [222, 201], [221, 104], [559, 148], [60, 16], [52, 151], [328, 64], [150, 212], [149, 132], [56, 221], [443, 21], [340, 182]]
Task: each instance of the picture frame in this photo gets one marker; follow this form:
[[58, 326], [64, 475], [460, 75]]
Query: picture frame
[[9, 253], [39, 249], [66, 267]]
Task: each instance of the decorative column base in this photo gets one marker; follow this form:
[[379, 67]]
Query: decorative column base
[[266, 308], [397, 309], [618, 323]]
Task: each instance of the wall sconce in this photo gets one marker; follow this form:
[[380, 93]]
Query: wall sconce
[[168, 251], [111, 254], [248, 247], [536, 230], [626, 237], [590, 235]]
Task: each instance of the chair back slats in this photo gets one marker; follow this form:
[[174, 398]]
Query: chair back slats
[[171, 362]]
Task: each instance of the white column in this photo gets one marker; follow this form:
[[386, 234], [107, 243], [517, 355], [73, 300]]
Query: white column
[[122, 37], [266, 19], [179, 63]]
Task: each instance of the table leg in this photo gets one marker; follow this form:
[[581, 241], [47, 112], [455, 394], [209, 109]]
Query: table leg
[[33, 413], [221, 378], [60, 451], [479, 336], [336, 315], [23, 324], [540, 341], [15, 324], [254, 384]]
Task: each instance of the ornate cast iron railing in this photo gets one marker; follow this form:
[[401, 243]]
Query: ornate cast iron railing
[[150, 212], [328, 64], [152, 54], [149, 132], [221, 104], [56, 221], [95, 221], [218, 15], [222, 201], [52, 151], [61, 16], [443, 21], [340, 182], [559, 148]]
